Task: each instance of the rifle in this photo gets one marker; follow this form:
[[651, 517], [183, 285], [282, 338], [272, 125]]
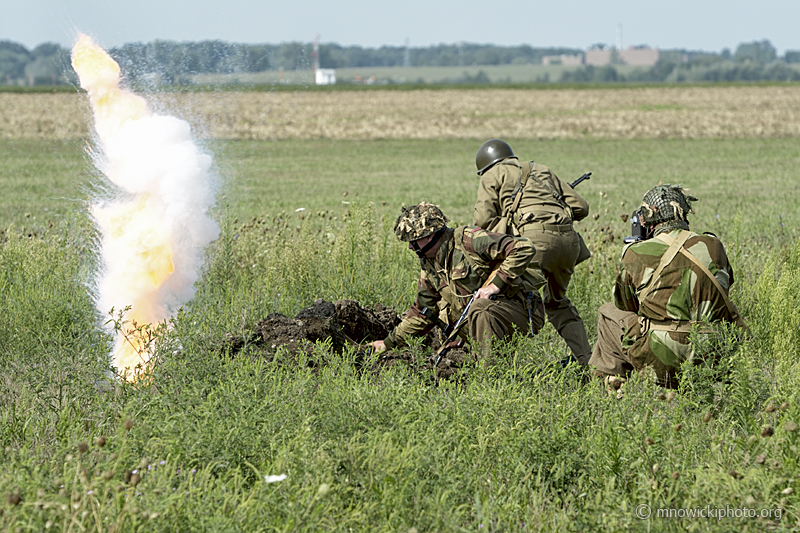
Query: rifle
[[580, 180], [456, 328], [574, 184]]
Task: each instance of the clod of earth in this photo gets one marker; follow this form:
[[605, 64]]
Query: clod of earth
[[343, 324]]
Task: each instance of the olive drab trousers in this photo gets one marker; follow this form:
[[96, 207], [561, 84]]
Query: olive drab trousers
[[498, 319], [610, 358], [557, 252]]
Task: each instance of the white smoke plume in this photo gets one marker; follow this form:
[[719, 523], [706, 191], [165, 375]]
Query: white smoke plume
[[152, 234]]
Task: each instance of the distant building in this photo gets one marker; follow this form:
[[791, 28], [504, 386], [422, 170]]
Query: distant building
[[325, 76], [638, 56], [642, 56], [563, 59], [597, 57]]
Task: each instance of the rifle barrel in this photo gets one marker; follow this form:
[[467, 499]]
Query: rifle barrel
[[580, 180]]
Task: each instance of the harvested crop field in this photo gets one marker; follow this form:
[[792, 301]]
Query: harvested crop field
[[655, 112]]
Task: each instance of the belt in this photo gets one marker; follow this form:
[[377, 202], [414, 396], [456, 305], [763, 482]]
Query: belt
[[562, 228], [526, 220], [681, 326]]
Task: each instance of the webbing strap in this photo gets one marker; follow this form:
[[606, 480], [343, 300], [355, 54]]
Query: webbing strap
[[682, 326], [666, 259], [516, 198], [665, 238], [523, 180]]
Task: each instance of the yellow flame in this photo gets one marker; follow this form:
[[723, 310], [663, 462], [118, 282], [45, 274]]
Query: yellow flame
[[100, 75], [133, 230], [130, 357], [148, 244], [132, 351], [148, 264]]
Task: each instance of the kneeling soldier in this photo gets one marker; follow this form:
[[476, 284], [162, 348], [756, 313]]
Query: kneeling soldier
[[670, 280], [456, 264]]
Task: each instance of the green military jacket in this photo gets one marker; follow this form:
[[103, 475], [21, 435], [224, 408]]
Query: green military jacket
[[463, 262], [538, 204], [682, 294]]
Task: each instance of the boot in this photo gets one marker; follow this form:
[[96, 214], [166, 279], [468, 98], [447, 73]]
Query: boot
[[574, 334]]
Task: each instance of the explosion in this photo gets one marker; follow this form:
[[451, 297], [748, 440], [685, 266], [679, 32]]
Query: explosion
[[154, 230]]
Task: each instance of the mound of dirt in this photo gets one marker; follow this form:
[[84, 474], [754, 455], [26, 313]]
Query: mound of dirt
[[343, 324]]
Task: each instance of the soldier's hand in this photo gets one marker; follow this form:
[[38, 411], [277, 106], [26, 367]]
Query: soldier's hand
[[379, 346], [488, 291]]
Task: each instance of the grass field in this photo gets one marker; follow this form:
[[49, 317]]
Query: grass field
[[513, 447]]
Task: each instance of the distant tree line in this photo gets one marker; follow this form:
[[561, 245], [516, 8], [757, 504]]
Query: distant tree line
[[171, 60], [44, 65], [756, 61], [442, 55], [174, 62]]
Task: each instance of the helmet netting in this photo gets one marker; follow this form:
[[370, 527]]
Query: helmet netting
[[664, 203], [418, 221]]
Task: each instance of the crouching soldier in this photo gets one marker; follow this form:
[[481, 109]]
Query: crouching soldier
[[528, 199], [670, 280], [458, 262]]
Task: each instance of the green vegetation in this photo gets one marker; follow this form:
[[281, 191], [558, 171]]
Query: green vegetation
[[512, 447], [44, 182]]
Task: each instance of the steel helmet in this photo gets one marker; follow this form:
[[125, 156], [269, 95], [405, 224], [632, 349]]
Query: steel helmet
[[491, 152], [664, 203], [418, 221]]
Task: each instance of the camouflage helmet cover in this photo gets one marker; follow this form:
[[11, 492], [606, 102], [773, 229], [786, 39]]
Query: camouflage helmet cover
[[491, 152], [663, 203], [419, 221]]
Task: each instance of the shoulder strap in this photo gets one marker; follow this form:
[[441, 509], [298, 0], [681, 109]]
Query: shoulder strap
[[458, 234], [557, 194], [516, 198], [731, 308], [459, 243], [674, 246]]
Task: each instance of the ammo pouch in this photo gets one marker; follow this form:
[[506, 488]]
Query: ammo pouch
[[584, 253], [503, 225], [449, 305], [532, 279]]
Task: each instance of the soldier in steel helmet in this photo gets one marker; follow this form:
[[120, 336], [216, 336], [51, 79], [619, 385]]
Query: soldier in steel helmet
[[671, 280], [457, 262], [528, 199]]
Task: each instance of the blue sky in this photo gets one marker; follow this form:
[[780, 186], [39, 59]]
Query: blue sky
[[709, 25]]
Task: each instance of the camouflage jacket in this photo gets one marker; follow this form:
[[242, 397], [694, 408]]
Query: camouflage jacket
[[682, 295], [497, 187], [462, 264]]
